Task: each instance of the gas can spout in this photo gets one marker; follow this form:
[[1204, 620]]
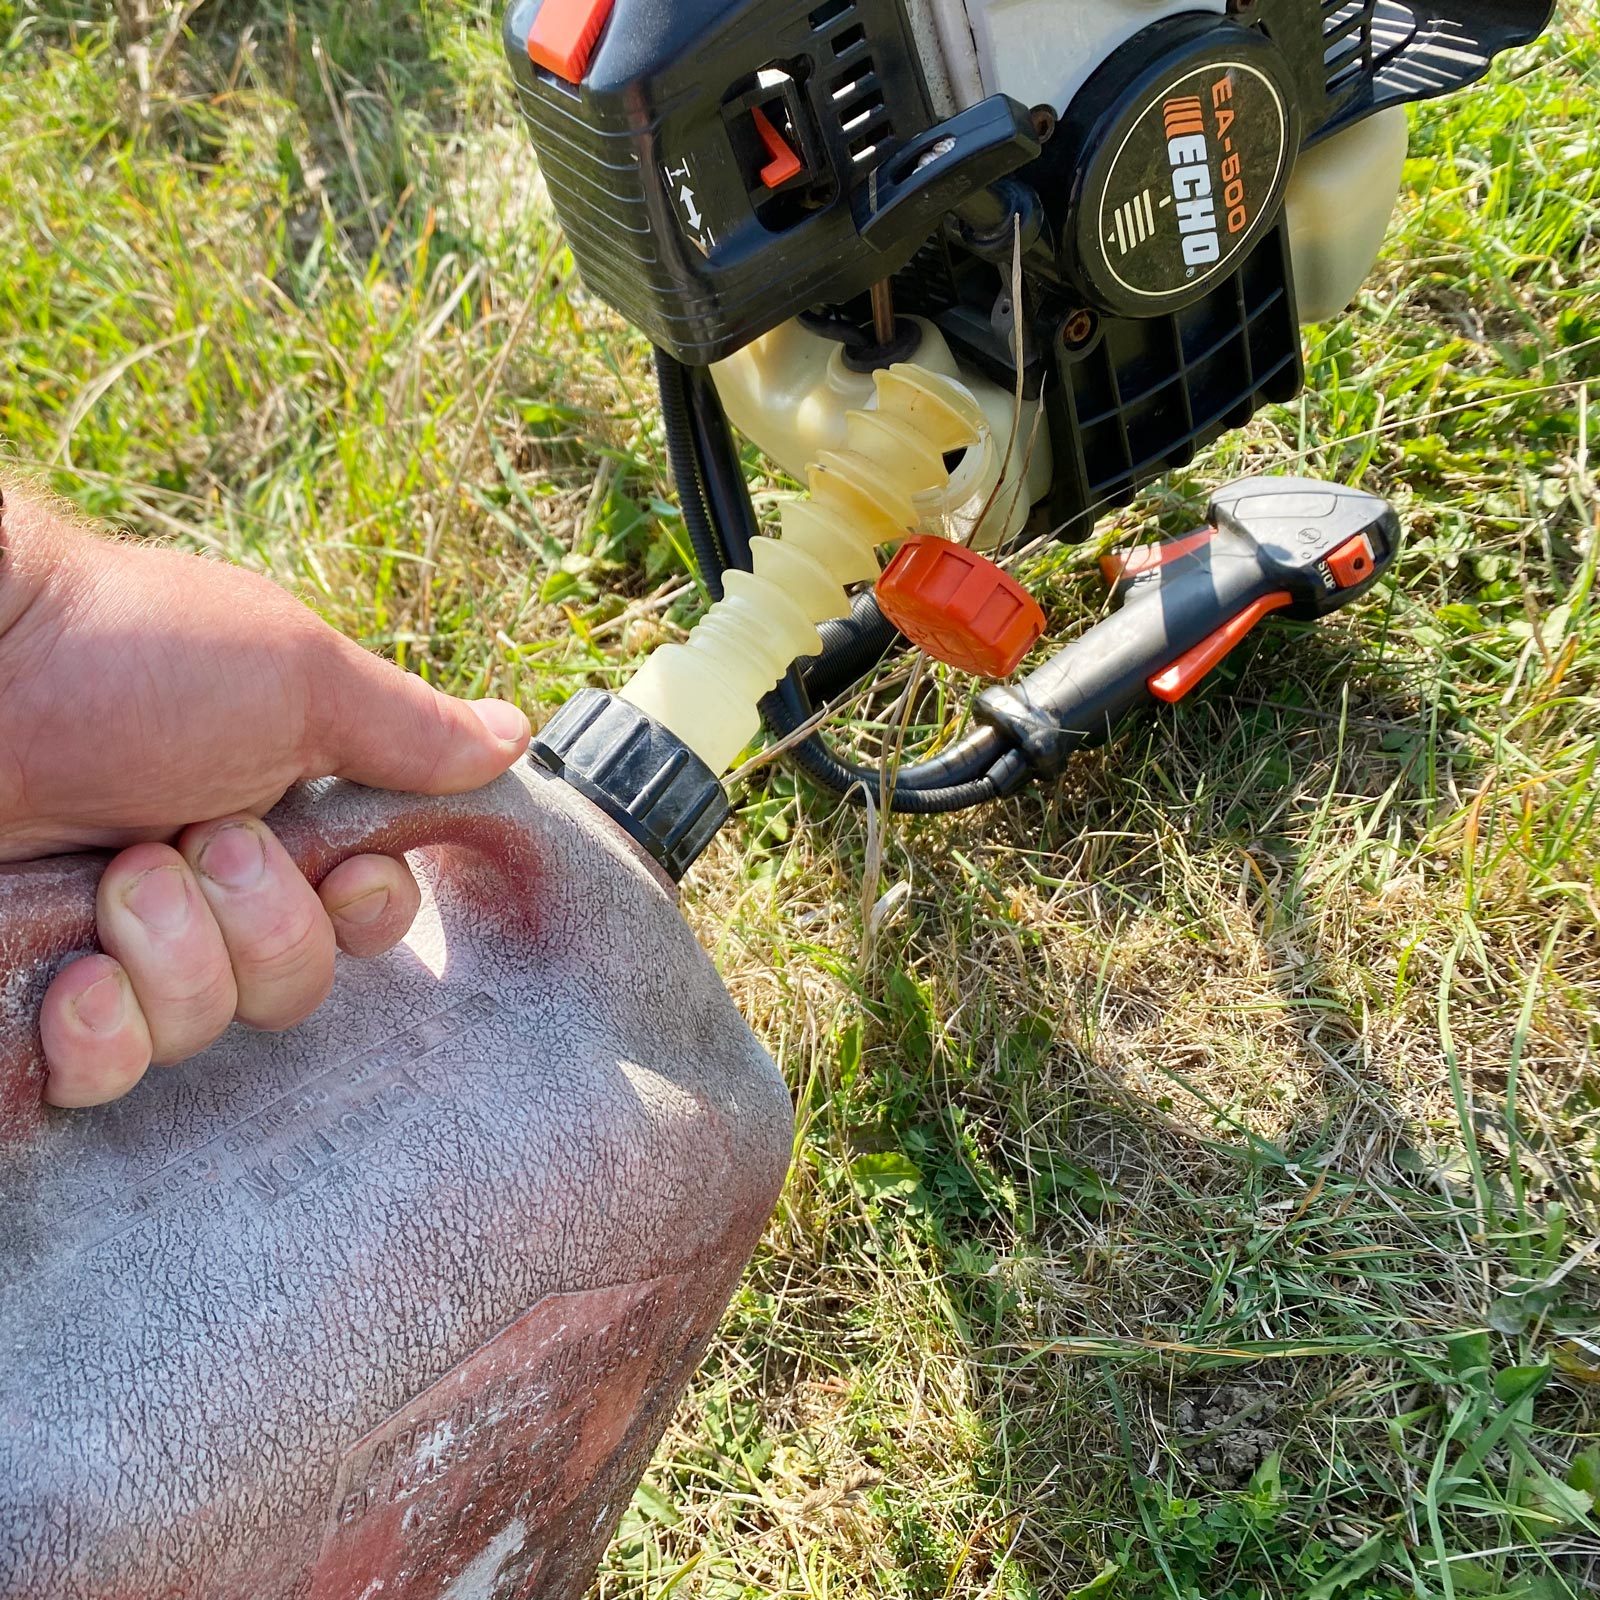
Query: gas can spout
[[888, 482]]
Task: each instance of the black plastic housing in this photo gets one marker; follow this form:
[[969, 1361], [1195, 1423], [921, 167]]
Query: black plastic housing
[[1142, 395], [1130, 397], [654, 163], [1377, 53]]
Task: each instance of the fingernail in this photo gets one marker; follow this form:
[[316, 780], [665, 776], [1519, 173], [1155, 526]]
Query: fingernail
[[103, 1006], [503, 720], [235, 856], [159, 898], [364, 910]]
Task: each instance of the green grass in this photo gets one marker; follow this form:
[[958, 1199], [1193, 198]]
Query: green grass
[[1199, 1171]]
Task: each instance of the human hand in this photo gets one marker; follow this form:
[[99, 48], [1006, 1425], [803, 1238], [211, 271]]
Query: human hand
[[141, 689]]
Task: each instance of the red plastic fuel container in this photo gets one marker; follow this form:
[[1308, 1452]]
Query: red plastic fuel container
[[397, 1306]]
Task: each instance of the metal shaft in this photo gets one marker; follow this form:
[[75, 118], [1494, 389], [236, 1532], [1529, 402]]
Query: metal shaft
[[883, 311]]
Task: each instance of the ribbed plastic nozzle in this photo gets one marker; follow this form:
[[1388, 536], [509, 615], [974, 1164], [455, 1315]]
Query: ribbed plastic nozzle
[[888, 481]]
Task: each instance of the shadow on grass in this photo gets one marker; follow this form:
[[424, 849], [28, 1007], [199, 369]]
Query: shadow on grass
[[1127, 1114]]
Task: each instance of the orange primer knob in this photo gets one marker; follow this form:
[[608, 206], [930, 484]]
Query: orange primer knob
[[959, 606]]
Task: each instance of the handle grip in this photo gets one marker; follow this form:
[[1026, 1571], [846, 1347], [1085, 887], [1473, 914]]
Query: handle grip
[[1270, 544], [1086, 689], [47, 908]]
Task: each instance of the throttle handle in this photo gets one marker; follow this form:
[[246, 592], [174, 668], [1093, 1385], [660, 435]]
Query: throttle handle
[[1271, 545]]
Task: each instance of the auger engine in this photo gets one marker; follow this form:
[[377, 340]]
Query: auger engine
[[976, 270]]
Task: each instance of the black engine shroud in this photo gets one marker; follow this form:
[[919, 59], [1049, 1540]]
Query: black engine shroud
[[721, 166]]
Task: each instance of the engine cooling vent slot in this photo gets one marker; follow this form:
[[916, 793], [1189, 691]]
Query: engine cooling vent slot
[[1146, 394], [1357, 35], [1386, 52], [854, 105]]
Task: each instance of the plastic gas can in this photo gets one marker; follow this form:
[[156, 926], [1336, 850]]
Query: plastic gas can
[[396, 1306]]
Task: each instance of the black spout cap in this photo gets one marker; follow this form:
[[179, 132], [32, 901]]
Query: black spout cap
[[642, 775]]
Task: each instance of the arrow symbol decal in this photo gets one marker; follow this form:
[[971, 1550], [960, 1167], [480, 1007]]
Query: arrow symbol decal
[[686, 195]]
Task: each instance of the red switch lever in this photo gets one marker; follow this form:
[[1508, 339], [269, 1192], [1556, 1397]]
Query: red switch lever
[[784, 164], [1174, 682], [564, 34]]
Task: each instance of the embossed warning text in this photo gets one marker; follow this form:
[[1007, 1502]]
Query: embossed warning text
[[307, 1133]]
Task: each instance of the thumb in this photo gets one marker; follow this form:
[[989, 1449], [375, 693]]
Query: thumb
[[375, 724]]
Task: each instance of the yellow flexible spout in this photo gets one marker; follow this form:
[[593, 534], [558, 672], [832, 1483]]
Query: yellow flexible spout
[[877, 490]]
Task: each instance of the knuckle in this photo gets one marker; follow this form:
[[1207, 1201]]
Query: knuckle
[[280, 950], [434, 739], [320, 655], [287, 971], [189, 1015], [197, 996]]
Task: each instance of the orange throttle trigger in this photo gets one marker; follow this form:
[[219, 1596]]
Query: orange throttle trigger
[[1174, 682], [959, 606]]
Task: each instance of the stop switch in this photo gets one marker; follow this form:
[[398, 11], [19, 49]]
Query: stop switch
[[564, 34]]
